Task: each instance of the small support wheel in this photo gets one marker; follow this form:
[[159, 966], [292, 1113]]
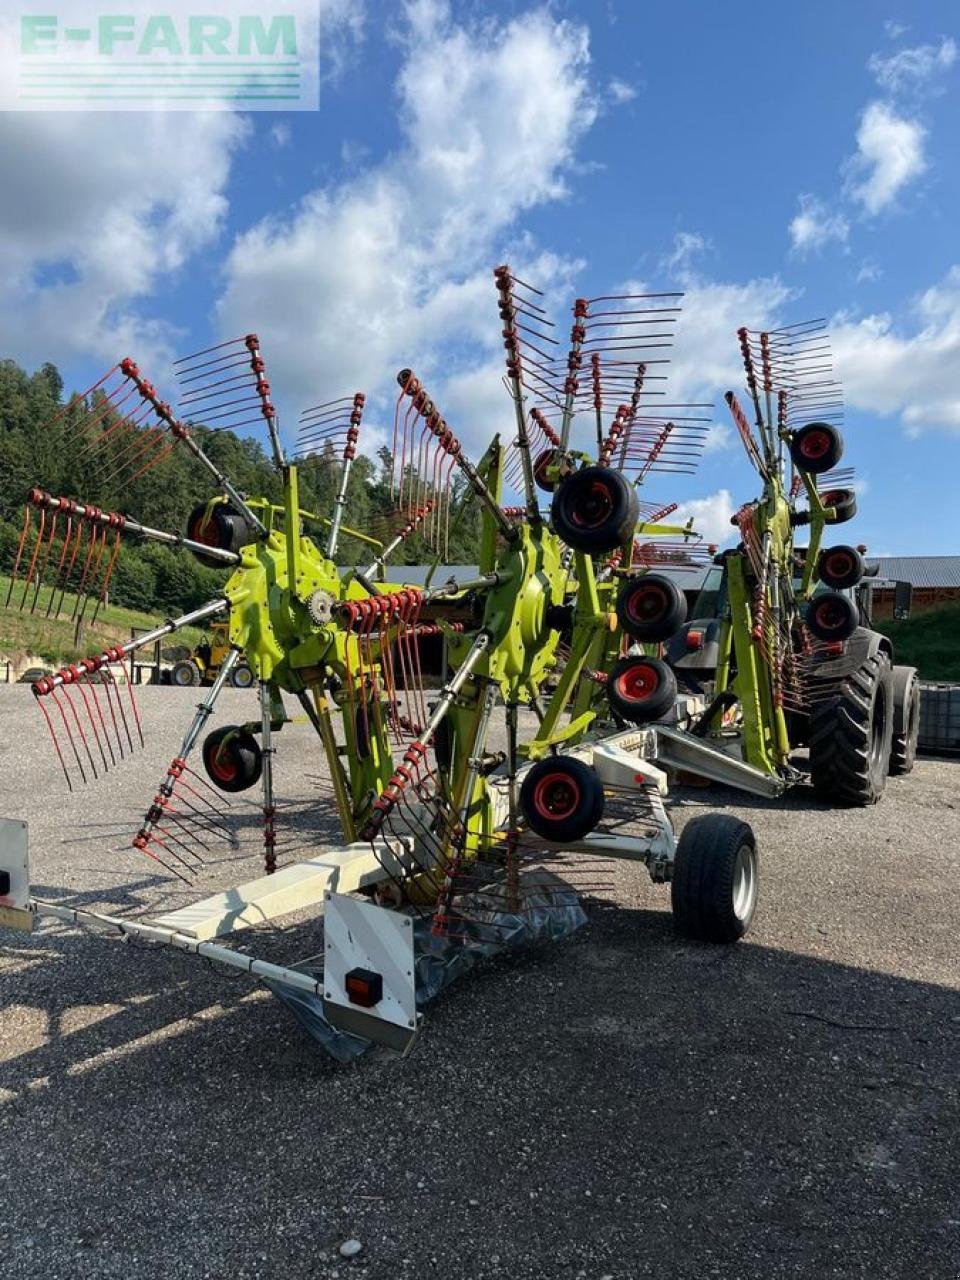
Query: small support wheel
[[651, 607], [816, 448], [241, 677], [232, 758], [185, 674], [906, 720], [641, 689], [595, 510], [561, 799], [832, 617], [218, 526], [716, 869], [843, 502], [541, 462], [840, 566]]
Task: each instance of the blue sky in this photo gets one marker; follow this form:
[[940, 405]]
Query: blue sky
[[775, 162]]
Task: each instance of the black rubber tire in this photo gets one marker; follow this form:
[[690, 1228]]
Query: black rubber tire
[[595, 510], [242, 677], [851, 730], [225, 528], [840, 566], [832, 617], [561, 799], [709, 899], [843, 502], [651, 607], [641, 689], [906, 720], [232, 758], [185, 674], [540, 464], [816, 448]]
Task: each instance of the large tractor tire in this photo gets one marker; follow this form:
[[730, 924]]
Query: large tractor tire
[[713, 891], [851, 731], [242, 677], [906, 719]]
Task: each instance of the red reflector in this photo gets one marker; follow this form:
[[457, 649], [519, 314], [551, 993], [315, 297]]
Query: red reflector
[[364, 987], [694, 639]]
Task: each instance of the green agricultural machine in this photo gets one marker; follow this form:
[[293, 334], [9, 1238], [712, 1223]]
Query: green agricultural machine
[[781, 649], [472, 814]]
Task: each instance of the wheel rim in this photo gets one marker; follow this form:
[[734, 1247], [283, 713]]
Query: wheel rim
[[182, 678], [204, 530], [556, 796], [744, 882], [647, 603], [839, 564], [222, 767], [814, 445], [592, 508], [243, 678], [830, 617], [638, 683]]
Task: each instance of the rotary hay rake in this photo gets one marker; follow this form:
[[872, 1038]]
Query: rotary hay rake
[[458, 845], [788, 660]]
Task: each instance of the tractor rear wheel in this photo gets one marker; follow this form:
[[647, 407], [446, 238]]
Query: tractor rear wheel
[[906, 719], [713, 891], [561, 798], [185, 674], [232, 758], [595, 510], [851, 730]]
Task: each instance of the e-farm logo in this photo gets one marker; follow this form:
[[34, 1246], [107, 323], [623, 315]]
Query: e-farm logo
[[161, 54]]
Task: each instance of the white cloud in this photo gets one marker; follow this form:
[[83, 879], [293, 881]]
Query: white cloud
[[868, 272], [889, 156], [619, 91], [711, 516], [687, 247], [393, 265], [894, 29], [280, 134], [103, 207], [913, 68], [815, 226], [911, 374]]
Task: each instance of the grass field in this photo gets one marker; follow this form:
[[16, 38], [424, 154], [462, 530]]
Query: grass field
[[55, 639], [929, 641]]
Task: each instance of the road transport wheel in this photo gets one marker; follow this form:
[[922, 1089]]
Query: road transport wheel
[[713, 891]]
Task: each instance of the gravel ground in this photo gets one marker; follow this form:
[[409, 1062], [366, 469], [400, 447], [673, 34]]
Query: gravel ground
[[621, 1104]]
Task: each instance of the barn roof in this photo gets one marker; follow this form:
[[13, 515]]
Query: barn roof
[[920, 571]]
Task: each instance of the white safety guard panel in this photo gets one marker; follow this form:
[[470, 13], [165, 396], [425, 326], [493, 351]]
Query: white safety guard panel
[[13, 861], [361, 935]]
